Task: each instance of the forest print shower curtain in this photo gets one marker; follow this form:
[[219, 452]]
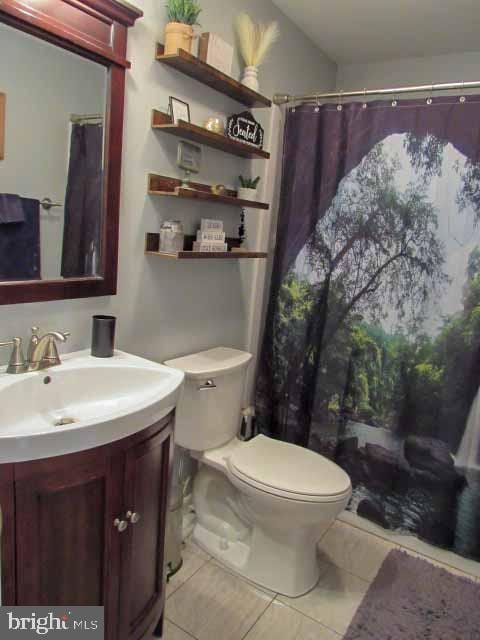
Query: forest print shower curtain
[[371, 353]]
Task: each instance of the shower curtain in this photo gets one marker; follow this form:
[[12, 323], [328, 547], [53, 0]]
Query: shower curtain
[[371, 351], [83, 203]]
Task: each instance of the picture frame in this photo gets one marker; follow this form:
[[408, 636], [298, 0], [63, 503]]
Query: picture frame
[[3, 99], [179, 110], [189, 157]]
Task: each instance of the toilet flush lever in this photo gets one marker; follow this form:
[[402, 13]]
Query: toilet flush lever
[[209, 384]]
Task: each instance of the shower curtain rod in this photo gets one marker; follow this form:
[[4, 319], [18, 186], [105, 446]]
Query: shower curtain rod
[[280, 98], [77, 118]]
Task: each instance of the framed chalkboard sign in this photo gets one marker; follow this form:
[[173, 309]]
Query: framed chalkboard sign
[[244, 128]]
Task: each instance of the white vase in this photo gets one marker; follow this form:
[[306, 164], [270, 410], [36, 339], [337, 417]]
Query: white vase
[[250, 78], [247, 194]]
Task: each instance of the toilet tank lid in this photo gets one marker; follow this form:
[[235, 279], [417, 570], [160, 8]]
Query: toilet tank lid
[[211, 363]]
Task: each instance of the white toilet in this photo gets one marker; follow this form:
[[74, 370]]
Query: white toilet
[[261, 505]]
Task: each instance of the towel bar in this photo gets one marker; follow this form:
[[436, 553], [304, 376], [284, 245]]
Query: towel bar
[[47, 204]]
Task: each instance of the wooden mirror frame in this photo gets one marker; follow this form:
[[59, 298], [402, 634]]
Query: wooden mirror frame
[[94, 29]]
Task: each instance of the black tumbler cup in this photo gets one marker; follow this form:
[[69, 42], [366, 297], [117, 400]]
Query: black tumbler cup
[[103, 336]]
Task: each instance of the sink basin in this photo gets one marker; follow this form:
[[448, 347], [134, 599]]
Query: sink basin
[[83, 403]]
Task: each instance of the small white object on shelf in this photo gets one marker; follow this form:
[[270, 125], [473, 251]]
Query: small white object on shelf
[[210, 236], [208, 224], [250, 78], [210, 247], [245, 193], [216, 52]]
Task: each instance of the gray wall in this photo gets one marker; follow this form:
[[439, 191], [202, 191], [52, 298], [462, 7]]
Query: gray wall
[[460, 67], [170, 308]]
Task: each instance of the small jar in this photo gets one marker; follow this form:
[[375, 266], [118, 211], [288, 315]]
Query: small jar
[[171, 236], [216, 125]]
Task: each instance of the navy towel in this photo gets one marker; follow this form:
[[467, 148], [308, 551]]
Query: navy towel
[[20, 245], [11, 209]]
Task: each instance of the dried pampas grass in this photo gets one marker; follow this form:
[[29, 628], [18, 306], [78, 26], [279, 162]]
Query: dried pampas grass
[[255, 39]]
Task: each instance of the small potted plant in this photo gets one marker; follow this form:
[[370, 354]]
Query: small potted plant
[[248, 188], [182, 16]]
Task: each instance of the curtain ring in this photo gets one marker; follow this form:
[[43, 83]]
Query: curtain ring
[[317, 100], [394, 101], [430, 100], [364, 105], [340, 105], [463, 98]]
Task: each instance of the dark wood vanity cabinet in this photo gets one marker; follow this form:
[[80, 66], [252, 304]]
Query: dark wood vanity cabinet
[[143, 575], [89, 530]]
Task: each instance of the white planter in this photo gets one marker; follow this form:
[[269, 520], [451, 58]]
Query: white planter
[[250, 78], [247, 194]]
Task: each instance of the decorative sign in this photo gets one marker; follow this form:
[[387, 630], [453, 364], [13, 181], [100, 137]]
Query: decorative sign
[[244, 128], [189, 156]]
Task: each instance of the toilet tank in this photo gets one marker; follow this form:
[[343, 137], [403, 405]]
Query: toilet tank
[[208, 412]]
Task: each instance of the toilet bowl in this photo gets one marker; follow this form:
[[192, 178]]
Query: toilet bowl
[[261, 505]]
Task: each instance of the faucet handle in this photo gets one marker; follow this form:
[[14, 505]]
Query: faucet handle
[[17, 360], [51, 352], [34, 340]]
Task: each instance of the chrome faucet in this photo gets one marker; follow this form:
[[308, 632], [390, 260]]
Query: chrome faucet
[[42, 352]]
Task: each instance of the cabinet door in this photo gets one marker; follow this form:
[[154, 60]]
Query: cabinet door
[[7, 539], [68, 549], [147, 473]]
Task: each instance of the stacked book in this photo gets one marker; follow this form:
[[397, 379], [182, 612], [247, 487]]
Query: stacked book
[[211, 237]]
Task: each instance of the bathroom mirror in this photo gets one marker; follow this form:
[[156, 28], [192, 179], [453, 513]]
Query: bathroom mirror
[[62, 70], [52, 171]]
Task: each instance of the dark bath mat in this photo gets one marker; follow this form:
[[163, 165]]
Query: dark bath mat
[[411, 599]]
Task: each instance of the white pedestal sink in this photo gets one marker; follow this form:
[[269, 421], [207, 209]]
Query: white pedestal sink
[[85, 402]]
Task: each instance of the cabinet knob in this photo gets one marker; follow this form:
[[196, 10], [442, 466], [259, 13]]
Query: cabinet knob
[[121, 525], [133, 516]]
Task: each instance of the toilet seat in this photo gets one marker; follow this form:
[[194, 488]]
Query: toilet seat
[[288, 471]]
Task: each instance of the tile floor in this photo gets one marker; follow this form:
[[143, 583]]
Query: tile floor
[[208, 602]]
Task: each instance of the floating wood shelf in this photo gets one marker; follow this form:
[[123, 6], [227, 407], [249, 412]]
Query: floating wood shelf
[[208, 75], [165, 186], [152, 244], [163, 122]]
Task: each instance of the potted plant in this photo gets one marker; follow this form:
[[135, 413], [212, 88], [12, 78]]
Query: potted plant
[[255, 41], [182, 16], [248, 188]]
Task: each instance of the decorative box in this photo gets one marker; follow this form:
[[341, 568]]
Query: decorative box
[[210, 247], [211, 225], [211, 236], [216, 52]]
